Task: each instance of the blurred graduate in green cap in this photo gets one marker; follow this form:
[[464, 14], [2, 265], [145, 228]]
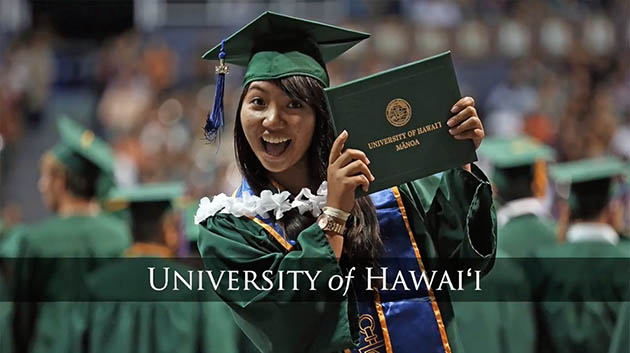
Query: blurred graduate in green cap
[[126, 314], [519, 175], [579, 297], [493, 323], [296, 207], [74, 175]]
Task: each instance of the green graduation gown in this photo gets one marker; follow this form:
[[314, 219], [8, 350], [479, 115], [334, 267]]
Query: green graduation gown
[[450, 216], [621, 337], [491, 323], [9, 241], [183, 321], [496, 324], [579, 271], [6, 315], [523, 233], [54, 326]]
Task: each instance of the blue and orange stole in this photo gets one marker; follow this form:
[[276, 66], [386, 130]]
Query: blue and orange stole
[[393, 320]]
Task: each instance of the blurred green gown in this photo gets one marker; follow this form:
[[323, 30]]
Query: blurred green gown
[[42, 272], [9, 242], [126, 315], [570, 316], [621, 337], [450, 215], [495, 324], [523, 235]]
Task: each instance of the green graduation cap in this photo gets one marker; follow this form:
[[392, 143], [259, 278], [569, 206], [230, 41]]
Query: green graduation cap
[[514, 162], [514, 152], [588, 169], [273, 46], [145, 205], [590, 180], [144, 193], [79, 145], [81, 152]]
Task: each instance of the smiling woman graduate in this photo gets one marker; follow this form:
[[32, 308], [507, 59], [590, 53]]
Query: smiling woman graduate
[[292, 167]]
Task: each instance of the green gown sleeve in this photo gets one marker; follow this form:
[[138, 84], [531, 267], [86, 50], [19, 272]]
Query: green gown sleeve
[[279, 320], [453, 219]]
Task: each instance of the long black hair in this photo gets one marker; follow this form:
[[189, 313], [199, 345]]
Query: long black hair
[[362, 245]]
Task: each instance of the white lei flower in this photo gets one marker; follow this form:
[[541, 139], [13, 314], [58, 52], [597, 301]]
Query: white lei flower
[[252, 205]]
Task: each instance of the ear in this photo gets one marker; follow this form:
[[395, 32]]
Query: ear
[[58, 182]]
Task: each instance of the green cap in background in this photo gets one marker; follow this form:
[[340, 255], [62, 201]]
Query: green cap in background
[[79, 151], [588, 170], [589, 181], [514, 152], [79, 144], [146, 205], [145, 193], [275, 45], [518, 164]]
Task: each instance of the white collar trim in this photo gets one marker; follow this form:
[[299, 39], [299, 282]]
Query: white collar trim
[[519, 207], [252, 205], [588, 231]]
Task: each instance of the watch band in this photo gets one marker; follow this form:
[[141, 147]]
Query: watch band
[[337, 213], [331, 224]]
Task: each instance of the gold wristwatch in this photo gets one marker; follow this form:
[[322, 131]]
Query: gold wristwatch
[[331, 224]]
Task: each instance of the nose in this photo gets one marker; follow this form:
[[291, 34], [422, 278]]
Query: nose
[[273, 119]]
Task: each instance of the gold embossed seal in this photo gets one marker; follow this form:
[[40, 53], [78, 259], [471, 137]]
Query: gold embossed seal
[[398, 112]]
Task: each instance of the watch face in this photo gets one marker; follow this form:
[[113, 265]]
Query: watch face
[[322, 222]]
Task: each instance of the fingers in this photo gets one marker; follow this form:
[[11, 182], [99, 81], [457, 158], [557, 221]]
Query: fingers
[[359, 180], [357, 167], [468, 124], [463, 103], [337, 147], [476, 135], [351, 154], [461, 116]]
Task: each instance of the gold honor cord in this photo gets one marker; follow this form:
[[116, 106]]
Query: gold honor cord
[[273, 233], [381, 318]]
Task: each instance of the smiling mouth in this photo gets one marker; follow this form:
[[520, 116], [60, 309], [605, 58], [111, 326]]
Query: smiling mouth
[[275, 148]]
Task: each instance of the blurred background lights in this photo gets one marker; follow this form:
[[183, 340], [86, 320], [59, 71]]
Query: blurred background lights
[[473, 39], [513, 39], [431, 41], [170, 111], [390, 40], [555, 37], [598, 35], [205, 97]]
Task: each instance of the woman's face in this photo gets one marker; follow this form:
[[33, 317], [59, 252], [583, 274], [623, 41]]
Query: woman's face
[[278, 128]]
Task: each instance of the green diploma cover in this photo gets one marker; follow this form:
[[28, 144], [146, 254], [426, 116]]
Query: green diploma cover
[[398, 118]]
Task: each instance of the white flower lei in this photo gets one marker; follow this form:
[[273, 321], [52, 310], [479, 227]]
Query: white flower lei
[[252, 205]]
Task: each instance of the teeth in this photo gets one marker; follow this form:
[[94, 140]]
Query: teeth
[[270, 139]]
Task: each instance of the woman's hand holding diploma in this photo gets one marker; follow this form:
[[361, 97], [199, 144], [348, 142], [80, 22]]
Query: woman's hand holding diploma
[[346, 171]]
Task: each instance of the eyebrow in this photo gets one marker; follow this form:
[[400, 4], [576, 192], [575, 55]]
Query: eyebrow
[[255, 86]]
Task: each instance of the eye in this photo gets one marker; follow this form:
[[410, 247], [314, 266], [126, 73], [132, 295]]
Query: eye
[[295, 104], [258, 101]]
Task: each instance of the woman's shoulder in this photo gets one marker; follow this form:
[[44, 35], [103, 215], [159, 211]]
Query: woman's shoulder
[[227, 221]]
